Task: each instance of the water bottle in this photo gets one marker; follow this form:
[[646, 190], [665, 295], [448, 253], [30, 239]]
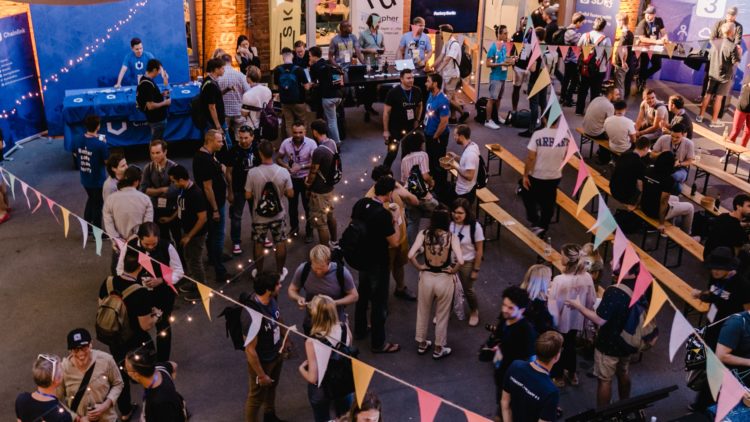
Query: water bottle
[[693, 188], [548, 248], [698, 153]]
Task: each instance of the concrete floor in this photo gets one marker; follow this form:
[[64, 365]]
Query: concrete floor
[[49, 284]]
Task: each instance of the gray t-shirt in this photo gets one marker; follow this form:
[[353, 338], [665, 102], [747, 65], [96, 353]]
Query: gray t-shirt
[[328, 285], [684, 151], [596, 113], [257, 178]]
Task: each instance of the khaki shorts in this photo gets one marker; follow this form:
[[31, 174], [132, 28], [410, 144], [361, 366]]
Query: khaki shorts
[[399, 256], [520, 76], [450, 86], [605, 367], [321, 204]]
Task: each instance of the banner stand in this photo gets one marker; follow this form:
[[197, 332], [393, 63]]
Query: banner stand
[[19, 145]]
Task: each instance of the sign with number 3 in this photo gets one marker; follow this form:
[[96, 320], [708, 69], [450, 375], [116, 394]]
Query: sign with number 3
[[711, 8]]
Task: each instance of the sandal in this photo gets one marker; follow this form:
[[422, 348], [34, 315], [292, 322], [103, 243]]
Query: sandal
[[423, 349], [387, 348], [444, 351]]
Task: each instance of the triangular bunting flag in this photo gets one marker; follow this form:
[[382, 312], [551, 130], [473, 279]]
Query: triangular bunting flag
[[473, 417], [362, 375], [84, 230], [322, 354], [600, 52], [681, 330], [642, 282], [25, 188], [576, 51], [605, 223], [98, 238], [554, 109], [428, 405], [206, 294], [650, 53], [731, 393], [66, 223], [38, 199], [256, 319], [562, 132], [146, 263], [619, 248], [564, 50], [570, 152], [658, 297], [583, 173], [12, 184], [589, 191], [508, 47], [543, 48], [519, 47], [630, 259], [2, 174], [541, 82], [587, 50], [51, 204], [166, 274], [637, 52], [670, 48], [714, 372]]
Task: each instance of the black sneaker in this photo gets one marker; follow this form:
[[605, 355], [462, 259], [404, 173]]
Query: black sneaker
[[464, 116], [525, 134], [405, 294]]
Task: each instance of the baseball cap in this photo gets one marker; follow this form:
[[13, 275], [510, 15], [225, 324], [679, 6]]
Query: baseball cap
[[78, 337], [722, 258]]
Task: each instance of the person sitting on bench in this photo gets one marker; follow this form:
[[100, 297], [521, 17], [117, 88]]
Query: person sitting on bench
[[683, 150], [656, 201]]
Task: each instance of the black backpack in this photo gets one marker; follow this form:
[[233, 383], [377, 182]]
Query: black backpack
[[354, 238], [268, 203], [482, 176], [200, 119], [233, 323], [558, 38], [335, 171], [415, 183], [519, 119], [339, 380], [466, 66], [481, 108], [289, 92]]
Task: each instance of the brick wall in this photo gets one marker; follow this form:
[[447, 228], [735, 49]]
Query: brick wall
[[632, 8], [225, 21]]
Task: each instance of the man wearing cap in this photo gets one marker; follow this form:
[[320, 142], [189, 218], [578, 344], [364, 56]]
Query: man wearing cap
[[650, 31], [91, 380]]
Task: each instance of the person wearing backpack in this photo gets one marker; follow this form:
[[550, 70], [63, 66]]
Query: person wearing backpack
[[268, 186], [290, 80], [328, 80], [151, 101], [467, 166], [537, 102], [320, 182], [415, 176], [592, 67], [161, 401], [436, 280], [447, 65], [255, 99], [124, 317], [335, 387], [321, 275], [570, 79]]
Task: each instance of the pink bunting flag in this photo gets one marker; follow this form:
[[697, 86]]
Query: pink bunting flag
[[51, 204], [38, 199], [630, 259], [650, 53], [536, 52], [145, 262], [473, 417], [619, 248], [322, 354], [428, 405], [681, 330], [576, 50], [25, 189], [583, 173], [637, 52], [571, 151], [730, 394], [166, 274], [508, 46], [84, 230], [642, 282], [564, 50]]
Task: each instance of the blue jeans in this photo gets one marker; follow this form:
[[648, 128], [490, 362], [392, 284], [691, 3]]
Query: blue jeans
[[373, 290], [680, 176], [329, 110], [235, 216], [321, 405], [215, 242]]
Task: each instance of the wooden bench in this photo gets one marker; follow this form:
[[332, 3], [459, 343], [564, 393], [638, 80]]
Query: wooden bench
[[732, 149], [484, 195], [586, 139], [659, 271], [536, 244], [704, 170]]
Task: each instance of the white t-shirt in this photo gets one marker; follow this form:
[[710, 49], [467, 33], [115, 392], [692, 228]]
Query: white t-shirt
[[452, 53], [256, 97], [548, 159], [591, 38], [410, 160], [596, 113], [463, 232], [619, 129], [469, 161]]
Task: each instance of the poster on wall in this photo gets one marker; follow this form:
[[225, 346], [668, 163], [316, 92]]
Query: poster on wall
[[391, 13], [461, 14], [285, 24], [593, 9], [21, 109]]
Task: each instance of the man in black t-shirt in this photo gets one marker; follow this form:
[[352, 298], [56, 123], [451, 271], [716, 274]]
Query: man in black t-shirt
[[626, 183], [192, 212], [209, 174], [656, 201], [382, 233], [240, 159], [521, 75], [161, 401], [726, 229], [211, 97], [329, 82], [649, 31], [151, 101], [401, 113], [321, 190], [290, 79]]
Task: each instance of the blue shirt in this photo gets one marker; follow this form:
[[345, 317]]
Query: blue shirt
[[498, 73], [438, 106], [90, 156], [421, 43], [136, 67], [532, 394]]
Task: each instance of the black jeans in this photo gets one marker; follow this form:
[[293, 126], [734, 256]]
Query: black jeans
[[540, 201], [124, 402], [373, 290], [436, 148], [300, 191], [537, 104], [164, 298], [94, 204], [569, 82], [568, 359], [645, 72], [591, 84]]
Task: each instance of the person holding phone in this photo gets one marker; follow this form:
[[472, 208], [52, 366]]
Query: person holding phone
[[372, 47]]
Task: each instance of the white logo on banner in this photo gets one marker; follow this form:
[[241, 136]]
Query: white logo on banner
[[391, 13], [119, 131]]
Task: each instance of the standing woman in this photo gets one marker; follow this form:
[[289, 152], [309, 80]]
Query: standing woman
[[573, 284], [115, 166], [536, 282], [43, 404], [471, 237], [327, 329], [246, 56], [438, 245]]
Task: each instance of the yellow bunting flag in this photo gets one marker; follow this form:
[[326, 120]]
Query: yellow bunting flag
[[658, 297], [589, 191], [205, 292], [670, 48], [362, 375], [542, 81], [518, 46], [66, 216]]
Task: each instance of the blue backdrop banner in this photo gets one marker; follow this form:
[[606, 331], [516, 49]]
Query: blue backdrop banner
[[593, 9], [21, 111], [63, 33]]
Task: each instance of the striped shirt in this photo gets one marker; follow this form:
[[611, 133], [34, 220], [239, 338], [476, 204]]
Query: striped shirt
[[237, 85], [410, 160]]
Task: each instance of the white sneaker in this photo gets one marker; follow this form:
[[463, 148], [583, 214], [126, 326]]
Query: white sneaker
[[698, 119], [723, 159], [492, 125], [501, 120], [284, 273]]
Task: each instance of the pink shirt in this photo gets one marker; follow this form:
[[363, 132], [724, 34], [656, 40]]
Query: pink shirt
[[567, 287]]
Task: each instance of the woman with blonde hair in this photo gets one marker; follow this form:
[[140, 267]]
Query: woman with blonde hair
[[327, 329], [573, 284], [594, 264], [536, 282]]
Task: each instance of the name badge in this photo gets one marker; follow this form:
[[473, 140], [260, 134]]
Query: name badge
[[161, 202], [415, 53], [712, 310], [409, 114], [347, 56]]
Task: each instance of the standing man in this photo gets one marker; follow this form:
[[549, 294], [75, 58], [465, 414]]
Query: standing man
[[232, 84], [415, 45], [723, 59], [161, 401], [498, 62], [134, 64], [295, 155], [155, 183], [255, 99], [570, 62], [619, 129], [263, 354], [329, 81], [649, 31], [592, 73], [541, 176], [319, 185], [211, 96], [268, 186], [91, 153], [537, 102], [624, 58], [401, 113], [467, 166], [192, 211], [209, 175], [241, 158], [344, 48], [382, 233], [301, 56], [151, 101], [290, 79], [727, 229], [731, 16], [520, 72], [436, 131], [447, 66], [372, 45]]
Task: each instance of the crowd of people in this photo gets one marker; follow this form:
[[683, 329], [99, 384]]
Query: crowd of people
[[178, 216]]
